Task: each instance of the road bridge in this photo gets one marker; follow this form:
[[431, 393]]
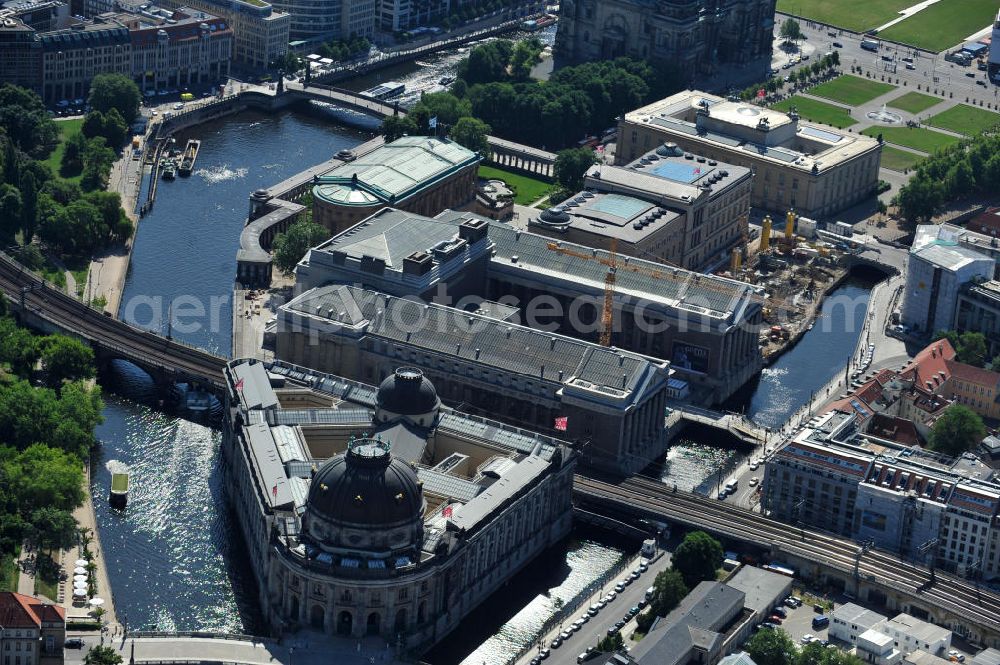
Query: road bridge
[[876, 576], [45, 308], [736, 424]]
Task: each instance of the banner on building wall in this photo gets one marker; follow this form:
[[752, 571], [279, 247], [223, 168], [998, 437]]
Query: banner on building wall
[[689, 357]]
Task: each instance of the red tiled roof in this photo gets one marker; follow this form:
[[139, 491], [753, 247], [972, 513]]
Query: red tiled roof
[[929, 368], [987, 223], [20, 611], [973, 374], [895, 429]]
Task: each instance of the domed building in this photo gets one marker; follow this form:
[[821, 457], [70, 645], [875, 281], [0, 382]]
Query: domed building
[[380, 511]]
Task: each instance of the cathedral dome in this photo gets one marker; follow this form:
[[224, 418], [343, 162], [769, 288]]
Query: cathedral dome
[[407, 393]]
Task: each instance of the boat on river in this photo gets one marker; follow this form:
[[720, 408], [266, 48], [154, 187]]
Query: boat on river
[[190, 155], [384, 91], [169, 169], [119, 490]]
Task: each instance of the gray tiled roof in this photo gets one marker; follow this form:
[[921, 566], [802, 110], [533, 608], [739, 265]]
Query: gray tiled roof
[[492, 343]]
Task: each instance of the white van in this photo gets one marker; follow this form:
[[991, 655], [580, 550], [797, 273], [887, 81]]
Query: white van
[[731, 485], [649, 592]]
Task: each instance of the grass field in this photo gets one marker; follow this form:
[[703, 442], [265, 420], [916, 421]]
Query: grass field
[[66, 129], [810, 109], [852, 90], [527, 190], [943, 24], [856, 15], [9, 573], [898, 160], [914, 102], [918, 138], [965, 119]]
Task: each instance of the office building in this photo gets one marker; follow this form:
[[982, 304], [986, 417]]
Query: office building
[[910, 634], [849, 621], [698, 39], [762, 590], [378, 511], [40, 15], [665, 206], [177, 48], [937, 269], [833, 476], [612, 400], [31, 631], [330, 19], [706, 326], [260, 32], [20, 54], [814, 169], [74, 56], [419, 174], [979, 311]]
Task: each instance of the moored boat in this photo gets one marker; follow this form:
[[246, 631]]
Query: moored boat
[[119, 490], [190, 155]]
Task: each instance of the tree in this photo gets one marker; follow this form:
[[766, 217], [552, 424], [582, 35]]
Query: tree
[[697, 558], [10, 212], [771, 647], [17, 347], [93, 124], [791, 31], [526, 54], [29, 205], [971, 349], [611, 643], [395, 126], [958, 430], [472, 134], [115, 91], [25, 121], [53, 528], [289, 247], [668, 591], [570, 166], [45, 477], [102, 655], [66, 359]]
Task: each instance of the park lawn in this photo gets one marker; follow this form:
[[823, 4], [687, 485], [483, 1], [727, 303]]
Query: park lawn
[[965, 119], [914, 102], [918, 138], [943, 24], [527, 190], [817, 111], [66, 129], [47, 576], [898, 160], [851, 90], [855, 15]]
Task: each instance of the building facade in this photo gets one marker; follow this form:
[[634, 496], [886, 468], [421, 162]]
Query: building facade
[[665, 206], [938, 267], [978, 311], [814, 169], [698, 38], [400, 532], [72, 57], [836, 478], [419, 174], [706, 326], [330, 19], [20, 54], [31, 632], [260, 32], [178, 48]]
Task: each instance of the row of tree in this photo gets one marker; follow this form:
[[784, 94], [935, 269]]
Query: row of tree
[[45, 434], [827, 63], [776, 647], [969, 168], [495, 92]]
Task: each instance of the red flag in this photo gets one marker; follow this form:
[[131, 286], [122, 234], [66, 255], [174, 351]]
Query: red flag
[[239, 385], [447, 511], [761, 93], [698, 170], [274, 490], [562, 423]]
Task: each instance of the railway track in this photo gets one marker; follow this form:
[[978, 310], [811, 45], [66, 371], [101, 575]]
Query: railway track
[[957, 596]]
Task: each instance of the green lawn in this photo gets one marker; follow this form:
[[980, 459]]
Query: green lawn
[[898, 160], [965, 119], [817, 111], [943, 24], [47, 577], [856, 15], [914, 102], [918, 138], [66, 129], [851, 90], [526, 190]]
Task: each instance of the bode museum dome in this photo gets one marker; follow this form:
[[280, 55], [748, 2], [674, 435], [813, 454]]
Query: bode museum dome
[[380, 511]]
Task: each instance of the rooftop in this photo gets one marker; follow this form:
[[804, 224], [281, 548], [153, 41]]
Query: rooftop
[[855, 614], [393, 172], [916, 628], [761, 588]]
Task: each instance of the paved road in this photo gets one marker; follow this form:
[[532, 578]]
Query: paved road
[[597, 628]]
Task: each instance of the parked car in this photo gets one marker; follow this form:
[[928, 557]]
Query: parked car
[[807, 638], [838, 45], [73, 643], [780, 611], [774, 618]]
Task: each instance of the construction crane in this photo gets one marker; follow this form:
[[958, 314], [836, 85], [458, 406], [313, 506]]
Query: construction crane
[[608, 315], [612, 262]]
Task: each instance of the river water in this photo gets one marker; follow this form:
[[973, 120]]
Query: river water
[[174, 556]]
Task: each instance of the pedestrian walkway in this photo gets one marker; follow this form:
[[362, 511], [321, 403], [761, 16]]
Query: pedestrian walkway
[[907, 13]]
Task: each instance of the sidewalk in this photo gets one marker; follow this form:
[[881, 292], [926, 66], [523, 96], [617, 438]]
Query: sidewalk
[[86, 519]]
